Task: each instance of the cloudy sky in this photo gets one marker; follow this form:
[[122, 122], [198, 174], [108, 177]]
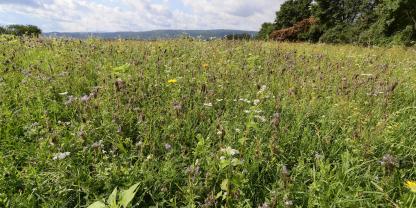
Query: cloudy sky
[[137, 15]]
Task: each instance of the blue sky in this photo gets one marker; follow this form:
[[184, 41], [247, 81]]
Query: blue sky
[[138, 15]]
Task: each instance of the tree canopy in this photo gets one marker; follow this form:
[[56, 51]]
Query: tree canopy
[[21, 30], [349, 21]]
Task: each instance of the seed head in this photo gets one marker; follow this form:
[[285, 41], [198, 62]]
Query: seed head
[[276, 120], [119, 84]]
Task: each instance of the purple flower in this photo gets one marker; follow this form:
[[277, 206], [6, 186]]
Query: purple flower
[[85, 98]]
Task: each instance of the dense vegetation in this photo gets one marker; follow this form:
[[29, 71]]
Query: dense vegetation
[[21, 30], [206, 123], [365, 22]]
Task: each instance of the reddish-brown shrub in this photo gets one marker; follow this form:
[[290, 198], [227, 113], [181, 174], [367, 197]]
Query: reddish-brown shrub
[[290, 32]]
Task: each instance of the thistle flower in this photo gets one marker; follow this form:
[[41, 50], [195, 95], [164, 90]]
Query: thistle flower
[[119, 84], [177, 106], [389, 162], [276, 120], [85, 98], [411, 185], [210, 201]]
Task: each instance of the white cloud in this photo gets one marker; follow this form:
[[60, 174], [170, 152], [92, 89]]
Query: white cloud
[[139, 15]]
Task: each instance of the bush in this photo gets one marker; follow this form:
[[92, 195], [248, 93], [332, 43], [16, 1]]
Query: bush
[[339, 34], [405, 37]]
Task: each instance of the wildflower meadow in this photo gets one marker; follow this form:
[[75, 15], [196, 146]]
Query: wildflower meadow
[[189, 123]]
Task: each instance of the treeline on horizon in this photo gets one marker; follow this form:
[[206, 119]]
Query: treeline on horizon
[[366, 22], [21, 30]]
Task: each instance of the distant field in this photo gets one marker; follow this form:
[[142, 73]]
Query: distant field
[[206, 124]]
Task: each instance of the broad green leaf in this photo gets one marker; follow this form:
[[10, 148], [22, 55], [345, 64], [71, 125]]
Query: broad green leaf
[[224, 185], [97, 204], [128, 195], [121, 69], [235, 162], [112, 199], [219, 194]]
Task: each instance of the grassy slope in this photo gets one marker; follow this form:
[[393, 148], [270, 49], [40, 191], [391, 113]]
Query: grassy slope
[[327, 150]]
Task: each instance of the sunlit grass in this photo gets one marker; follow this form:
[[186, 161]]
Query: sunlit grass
[[206, 124]]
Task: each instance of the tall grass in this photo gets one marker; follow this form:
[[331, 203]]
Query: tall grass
[[206, 124]]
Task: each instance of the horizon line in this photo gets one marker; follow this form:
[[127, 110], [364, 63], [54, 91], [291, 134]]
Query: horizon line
[[152, 31]]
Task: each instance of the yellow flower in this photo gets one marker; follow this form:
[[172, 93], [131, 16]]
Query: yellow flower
[[205, 66], [172, 81], [411, 185]]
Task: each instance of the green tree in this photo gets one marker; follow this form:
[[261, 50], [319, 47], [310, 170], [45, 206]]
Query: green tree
[[398, 15], [343, 21], [21, 30], [266, 29], [33, 30], [334, 12], [292, 11], [395, 21], [349, 21], [2, 30]]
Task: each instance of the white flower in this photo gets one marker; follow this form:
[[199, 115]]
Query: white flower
[[258, 111], [288, 203], [138, 144], [247, 111], [149, 157], [208, 104], [219, 132], [237, 130], [245, 100], [168, 147], [256, 101], [70, 100], [61, 156], [219, 100], [63, 93], [97, 144], [230, 151], [261, 118], [263, 88]]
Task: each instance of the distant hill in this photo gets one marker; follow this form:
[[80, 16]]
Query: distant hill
[[151, 35]]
